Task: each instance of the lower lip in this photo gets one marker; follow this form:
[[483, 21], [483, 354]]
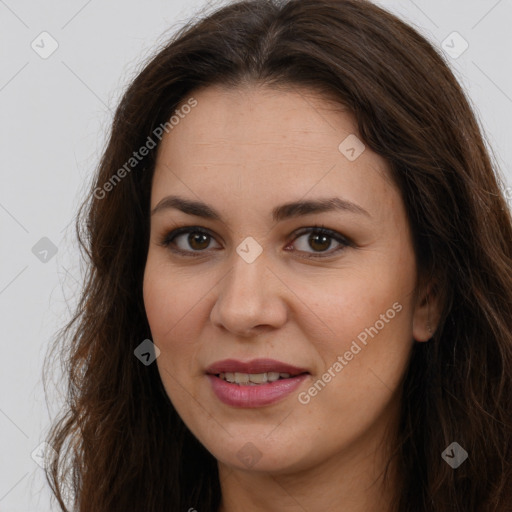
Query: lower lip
[[254, 396]]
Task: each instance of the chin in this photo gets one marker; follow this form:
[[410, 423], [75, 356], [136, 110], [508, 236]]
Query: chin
[[258, 452]]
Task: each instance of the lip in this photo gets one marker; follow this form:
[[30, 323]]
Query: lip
[[253, 366], [237, 395], [247, 396]]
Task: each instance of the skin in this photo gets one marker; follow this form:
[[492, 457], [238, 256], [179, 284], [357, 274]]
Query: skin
[[245, 151]]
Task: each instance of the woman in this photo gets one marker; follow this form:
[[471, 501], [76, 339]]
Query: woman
[[300, 285]]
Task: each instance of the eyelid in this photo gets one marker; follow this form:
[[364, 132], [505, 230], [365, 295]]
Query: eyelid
[[344, 241], [321, 229], [169, 237]]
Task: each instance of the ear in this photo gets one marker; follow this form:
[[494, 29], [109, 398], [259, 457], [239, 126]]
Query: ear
[[427, 312]]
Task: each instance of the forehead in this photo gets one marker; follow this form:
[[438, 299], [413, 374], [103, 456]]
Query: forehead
[[237, 120], [270, 145]]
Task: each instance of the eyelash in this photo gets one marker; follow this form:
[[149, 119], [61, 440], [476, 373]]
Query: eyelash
[[169, 238]]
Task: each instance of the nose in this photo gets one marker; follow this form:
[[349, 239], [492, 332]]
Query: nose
[[251, 298]]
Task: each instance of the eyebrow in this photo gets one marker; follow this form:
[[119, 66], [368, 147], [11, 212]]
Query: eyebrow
[[279, 213]]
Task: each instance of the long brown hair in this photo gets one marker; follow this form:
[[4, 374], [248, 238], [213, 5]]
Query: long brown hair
[[119, 444]]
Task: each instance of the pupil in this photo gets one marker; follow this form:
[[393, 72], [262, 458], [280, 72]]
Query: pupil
[[325, 239], [196, 237]]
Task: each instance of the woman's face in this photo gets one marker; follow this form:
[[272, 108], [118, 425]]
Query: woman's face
[[257, 294]]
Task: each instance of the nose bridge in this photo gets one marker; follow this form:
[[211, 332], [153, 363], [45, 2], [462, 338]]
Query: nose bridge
[[245, 282], [247, 296]]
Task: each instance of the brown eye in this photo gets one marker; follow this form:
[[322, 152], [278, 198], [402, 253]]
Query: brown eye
[[320, 240], [198, 241], [188, 240], [193, 241]]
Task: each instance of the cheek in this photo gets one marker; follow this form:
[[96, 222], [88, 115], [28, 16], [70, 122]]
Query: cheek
[[368, 342], [168, 296], [361, 368], [170, 308], [366, 317], [173, 308], [364, 304]]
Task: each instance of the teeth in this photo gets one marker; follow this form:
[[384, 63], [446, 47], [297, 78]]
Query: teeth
[[272, 376], [242, 378], [253, 379], [258, 378]]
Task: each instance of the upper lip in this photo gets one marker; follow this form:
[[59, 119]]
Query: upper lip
[[253, 366]]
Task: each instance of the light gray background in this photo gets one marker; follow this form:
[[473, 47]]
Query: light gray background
[[55, 114]]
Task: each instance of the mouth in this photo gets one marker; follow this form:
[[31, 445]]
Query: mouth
[[255, 372], [255, 383], [252, 379]]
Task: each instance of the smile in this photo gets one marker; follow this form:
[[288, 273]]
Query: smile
[[252, 379], [255, 383]]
